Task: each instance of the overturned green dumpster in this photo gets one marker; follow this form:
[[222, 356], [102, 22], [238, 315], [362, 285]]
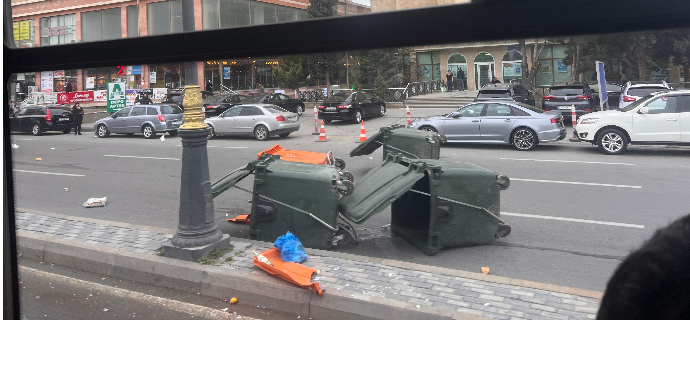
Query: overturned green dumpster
[[397, 139]]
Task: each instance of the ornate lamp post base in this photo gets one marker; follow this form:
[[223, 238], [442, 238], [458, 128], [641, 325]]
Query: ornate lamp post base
[[197, 234]]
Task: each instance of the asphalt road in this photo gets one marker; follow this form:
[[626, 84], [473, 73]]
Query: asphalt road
[[575, 213]]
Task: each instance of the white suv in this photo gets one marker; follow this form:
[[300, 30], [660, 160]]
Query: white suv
[[659, 118], [638, 90]]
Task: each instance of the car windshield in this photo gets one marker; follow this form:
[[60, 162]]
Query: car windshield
[[644, 91], [566, 91], [339, 97], [494, 94], [637, 103], [57, 110], [174, 109], [276, 109]]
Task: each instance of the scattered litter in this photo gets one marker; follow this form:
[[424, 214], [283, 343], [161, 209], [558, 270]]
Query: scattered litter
[[95, 202], [373, 286], [105, 310], [226, 300], [52, 148], [318, 272], [90, 294], [387, 226], [242, 219], [487, 304], [163, 138], [233, 300], [225, 310], [291, 249], [418, 306], [15, 146], [66, 189], [336, 268], [485, 270], [298, 317], [39, 159], [391, 274], [38, 297]]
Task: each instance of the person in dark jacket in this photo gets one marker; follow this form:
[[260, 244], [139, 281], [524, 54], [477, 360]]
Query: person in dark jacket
[[78, 116], [495, 80], [449, 80], [68, 87], [461, 79], [146, 100], [209, 86]]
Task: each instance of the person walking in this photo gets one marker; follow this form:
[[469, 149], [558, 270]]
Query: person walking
[[78, 115], [449, 80], [461, 79], [261, 89], [68, 86]]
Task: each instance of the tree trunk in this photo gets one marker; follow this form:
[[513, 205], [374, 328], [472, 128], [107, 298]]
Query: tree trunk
[[640, 63], [328, 85], [576, 63], [686, 74], [523, 51]]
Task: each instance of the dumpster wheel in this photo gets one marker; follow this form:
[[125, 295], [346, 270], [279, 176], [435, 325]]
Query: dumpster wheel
[[503, 230], [339, 163], [349, 176], [503, 182], [345, 236], [346, 188]]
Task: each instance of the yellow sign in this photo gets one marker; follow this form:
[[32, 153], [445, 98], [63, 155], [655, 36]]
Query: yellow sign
[[24, 30], [16, 30]]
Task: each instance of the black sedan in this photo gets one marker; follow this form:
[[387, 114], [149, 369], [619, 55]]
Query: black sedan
[[613, 91], [352, 106], [214, 105], [284, 101], [37, 119]]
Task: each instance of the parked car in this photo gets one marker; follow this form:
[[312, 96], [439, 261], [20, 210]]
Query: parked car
[[284, 101], [561, 97], [145, 119], [505, 92], [638, 90], [351, 105], [216, 104], [37, 119], [259, 120], [177, 97], [517, 124], [659, 118], [613, 92]]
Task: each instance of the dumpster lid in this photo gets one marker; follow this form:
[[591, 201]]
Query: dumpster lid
[[379, 188], [232, 178], [368, 146]]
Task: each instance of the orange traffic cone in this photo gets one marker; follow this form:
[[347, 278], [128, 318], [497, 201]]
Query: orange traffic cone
[[322, 135], [362, 133]]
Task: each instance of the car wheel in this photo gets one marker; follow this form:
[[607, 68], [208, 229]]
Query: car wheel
[[358, 117], [148, 132], [612, 141], [300, 110], [283, 135], [524, 139], [382, 111], [261, 133], [67, 130], [212, 133], [36, 129], [102, 131]]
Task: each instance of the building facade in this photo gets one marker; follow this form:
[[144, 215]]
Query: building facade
[[53, 22]]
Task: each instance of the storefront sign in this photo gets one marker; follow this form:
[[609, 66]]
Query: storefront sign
[[512, 69], [135, 70], [89, 82], [561, 67], [159, 94], [131, 96], [21, 76], [56, 31], [59, 74], [100, 95], [116, 96], [50, 97], [131, 78], [47, 81], [15, 28], [17, 88], [152, 77], [75, 97], [226, 72], [24, 27]]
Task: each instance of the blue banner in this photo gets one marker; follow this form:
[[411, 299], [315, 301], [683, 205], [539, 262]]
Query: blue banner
[[136, 70], [601, 78], [226, 72]]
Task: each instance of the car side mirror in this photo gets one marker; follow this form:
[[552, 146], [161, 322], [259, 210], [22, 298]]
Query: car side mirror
[[456, 115], [644, 110]]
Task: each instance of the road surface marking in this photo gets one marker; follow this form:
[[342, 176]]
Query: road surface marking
[[173, 305], [55, 174], [227, 147], [25, 139], [616, 224], [576, 183], [133, 156], [555, 160]]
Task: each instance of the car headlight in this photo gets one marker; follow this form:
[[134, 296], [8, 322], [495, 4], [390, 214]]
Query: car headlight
[[413, 124], [586, 121]]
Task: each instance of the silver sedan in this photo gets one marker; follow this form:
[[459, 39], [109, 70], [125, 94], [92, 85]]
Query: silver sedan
[[258, 120], [497, 122]]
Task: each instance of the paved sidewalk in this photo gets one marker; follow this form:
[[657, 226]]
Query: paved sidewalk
[[354, 276]]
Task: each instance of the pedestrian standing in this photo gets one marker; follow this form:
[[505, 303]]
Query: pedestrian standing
[[261, 89], [68, 86], [146, 100], [449, 80], [78, 115], [461, 79], [209, 86]]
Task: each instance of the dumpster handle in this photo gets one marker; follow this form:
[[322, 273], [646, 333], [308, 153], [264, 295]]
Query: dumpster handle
[[461, 203], [291, 207], [393, 147]]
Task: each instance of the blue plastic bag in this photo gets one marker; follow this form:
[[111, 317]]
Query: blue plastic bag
[[291, 249]]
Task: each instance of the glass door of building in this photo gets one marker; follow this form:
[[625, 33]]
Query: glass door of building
[[482, 74]]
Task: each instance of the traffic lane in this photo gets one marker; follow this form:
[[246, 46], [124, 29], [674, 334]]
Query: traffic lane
[[54, 292]]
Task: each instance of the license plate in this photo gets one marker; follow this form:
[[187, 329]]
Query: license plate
[[63, 119], [330, 108], [177, 122], [564, 107]]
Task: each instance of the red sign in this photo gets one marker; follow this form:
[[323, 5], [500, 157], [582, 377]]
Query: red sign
[[74, 97]]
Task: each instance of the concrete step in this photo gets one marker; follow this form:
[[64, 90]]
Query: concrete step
[[432, 102]]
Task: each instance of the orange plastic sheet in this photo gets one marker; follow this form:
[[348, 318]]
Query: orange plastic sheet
[[307, 157], [242, 219], [291, 272]]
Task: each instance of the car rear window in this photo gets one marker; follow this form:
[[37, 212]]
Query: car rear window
[[57, 111], [338, 97], [276, 109], [644, 91], [174, 109], [494, 94], [567, 91], [214, 98]]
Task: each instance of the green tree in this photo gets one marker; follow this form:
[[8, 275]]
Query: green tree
[[292, 72], [674, 45], [322, 8], [388, 64], [323, 66]]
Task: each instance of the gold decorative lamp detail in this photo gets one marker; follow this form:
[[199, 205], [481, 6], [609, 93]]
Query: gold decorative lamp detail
[[193, 115]]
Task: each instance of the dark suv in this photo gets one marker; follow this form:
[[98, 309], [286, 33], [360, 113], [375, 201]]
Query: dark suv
[[505, 92], [562, 96], [37, 119]]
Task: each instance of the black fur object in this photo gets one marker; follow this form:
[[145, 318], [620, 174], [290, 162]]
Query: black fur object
[[654, 281]]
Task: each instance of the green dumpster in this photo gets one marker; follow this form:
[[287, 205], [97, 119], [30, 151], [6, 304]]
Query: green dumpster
[[397, 139], [297, 197], [434, 204]]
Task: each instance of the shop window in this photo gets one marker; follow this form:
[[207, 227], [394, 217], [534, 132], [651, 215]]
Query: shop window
[[105, 24], [512, 66], [24, 33], [240, 13], [165, 17], [429, 65], [59, 29], [456, 61], [132, 21]]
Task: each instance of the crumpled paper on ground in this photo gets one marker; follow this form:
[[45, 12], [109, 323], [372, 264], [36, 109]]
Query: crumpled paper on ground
[[95, 202]]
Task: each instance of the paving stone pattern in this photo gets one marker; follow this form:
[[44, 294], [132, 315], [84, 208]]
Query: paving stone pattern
[[423, 289]]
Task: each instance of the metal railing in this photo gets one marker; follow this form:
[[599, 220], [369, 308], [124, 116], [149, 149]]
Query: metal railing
[[393, 94]]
